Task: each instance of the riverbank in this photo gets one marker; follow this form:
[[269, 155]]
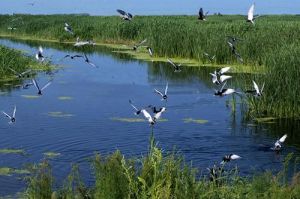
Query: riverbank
[[158, 175]]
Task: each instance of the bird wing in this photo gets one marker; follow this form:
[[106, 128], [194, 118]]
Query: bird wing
[[15, 110], [129, 15], [142, 42], [122, 12], [255, 87], [147, 115], [214, 78], [130, 102], [46, 85], [158, 92], [224, 70], [67, 25], [6, 115], [40, 49], [234, 157], [251, 12], [158, 114], [224, 77], [166, 89], [282, 139], [223, 85], [229, 91], [35, 84], [201, 13], [171, 62], [28, 71]]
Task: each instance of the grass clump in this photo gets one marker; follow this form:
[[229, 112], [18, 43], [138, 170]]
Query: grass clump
[[159, 175]]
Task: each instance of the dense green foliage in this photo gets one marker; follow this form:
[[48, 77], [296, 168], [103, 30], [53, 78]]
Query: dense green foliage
[[158, 175], [272, 44]]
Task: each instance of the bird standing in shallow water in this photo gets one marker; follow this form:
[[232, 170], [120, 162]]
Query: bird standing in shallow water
[[12, 118]]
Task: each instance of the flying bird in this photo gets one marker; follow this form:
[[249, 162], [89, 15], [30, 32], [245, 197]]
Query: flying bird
[[209, 57], [124, 15], [218, 79], [150, 51], [38, 87], [79, 43], [86, 59], [19, 75], [225, 91], [68, 29], [234, 52], [12, 118], [278, 143], [39, 55], [228, 158], [201, 15], [163, 95], [72, 56], [256, 92], [137, 111], [251, 16], [176, 67], [136, 46]]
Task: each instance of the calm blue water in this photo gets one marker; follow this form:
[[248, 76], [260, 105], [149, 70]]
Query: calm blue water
[[98, 95]]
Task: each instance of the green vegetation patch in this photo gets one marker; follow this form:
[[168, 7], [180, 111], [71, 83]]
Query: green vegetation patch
[[65, 98], [197, 121], [60, 114], [127, 119], [12, 151], [51, 154], [265, 119], [6, 171], [31, 96]]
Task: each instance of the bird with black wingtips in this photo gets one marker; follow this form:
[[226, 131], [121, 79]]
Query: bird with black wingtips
[[257, 92], [228, 158], [163, 95], [176, 67], [201, 15], [278, 144], [19, 75], [38, 87], [125, 15], [72, 56], [218, 79], [11, 118], [68, 29]]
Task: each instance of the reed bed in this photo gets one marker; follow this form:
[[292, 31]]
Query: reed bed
[[158, 175]]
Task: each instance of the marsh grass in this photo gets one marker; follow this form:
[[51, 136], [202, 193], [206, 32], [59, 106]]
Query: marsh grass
[[161, 175]]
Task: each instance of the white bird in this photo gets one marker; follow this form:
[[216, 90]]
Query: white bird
[[68, 29], [228, 158], [12, 118], [278, 143], [218, 77], [39, 55], [176, 67], [125, 15], [256, 92], [148, 117], [79, 43], [225, 91], [163, 95], [158, 113], [251, 16], [223, 70], [38, 88]]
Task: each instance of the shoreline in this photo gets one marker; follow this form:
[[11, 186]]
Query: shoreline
[[143, 55]]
